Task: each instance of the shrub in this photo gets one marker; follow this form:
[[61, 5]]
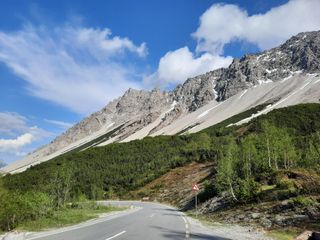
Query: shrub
[[247, 190], [17, 208], [208, 192], [285, 184], [302, 201]]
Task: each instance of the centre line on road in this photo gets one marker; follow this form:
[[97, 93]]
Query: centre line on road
[[187, 227], [117, 235]]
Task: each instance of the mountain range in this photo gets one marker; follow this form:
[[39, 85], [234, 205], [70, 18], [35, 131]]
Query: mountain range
[[282, 76]]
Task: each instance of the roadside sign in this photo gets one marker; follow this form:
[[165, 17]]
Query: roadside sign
[[195, 187]]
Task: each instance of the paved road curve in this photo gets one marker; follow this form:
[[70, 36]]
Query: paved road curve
[[151, 221]]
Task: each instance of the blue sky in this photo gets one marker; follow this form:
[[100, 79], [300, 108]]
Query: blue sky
[[62, 60]]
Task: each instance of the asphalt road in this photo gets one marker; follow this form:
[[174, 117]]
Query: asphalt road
[[150, 221]]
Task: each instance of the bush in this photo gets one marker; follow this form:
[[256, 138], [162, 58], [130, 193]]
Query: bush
[[208, 192], [247, 190], [17, 208], [285, 184], [302, 201]]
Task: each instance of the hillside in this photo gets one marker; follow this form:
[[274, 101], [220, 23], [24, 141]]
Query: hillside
[[174, 187], [237, 166], [137, 162], [283, 76]]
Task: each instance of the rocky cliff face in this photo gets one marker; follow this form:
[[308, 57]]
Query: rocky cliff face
[[299, 53], [134, 110], [137, 109]]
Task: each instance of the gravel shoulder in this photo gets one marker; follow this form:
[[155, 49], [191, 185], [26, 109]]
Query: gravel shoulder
[[225, 231]]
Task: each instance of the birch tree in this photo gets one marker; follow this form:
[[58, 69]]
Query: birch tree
[[226, 170]]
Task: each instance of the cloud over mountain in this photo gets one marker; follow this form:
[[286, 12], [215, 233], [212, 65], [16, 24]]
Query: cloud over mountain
[[176, 66], [79, 68], [222, 24], [15, 133]]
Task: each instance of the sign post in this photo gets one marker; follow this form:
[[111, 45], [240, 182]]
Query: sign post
[[195, 188]]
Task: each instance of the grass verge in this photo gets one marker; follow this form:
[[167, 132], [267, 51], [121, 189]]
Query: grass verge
[[67, 216], [282, 235]]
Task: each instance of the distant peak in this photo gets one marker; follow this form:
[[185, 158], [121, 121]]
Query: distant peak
[[156, 89], [131, 91]]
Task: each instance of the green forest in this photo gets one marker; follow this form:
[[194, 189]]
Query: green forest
[[245, 157]]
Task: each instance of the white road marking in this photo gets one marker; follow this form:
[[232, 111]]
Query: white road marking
[[81, 225], [184, 219], [152, 215], [187, 227], [117, 235]]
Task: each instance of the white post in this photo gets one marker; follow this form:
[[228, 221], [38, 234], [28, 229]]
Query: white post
[[196, 202]]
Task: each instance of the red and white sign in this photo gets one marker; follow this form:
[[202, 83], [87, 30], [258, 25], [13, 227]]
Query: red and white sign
[[195, 187]]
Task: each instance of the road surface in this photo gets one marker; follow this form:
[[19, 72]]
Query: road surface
[[150, 221]]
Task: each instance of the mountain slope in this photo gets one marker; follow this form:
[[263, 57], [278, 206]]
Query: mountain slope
[[282, 76], [122, 167], [284, 193]]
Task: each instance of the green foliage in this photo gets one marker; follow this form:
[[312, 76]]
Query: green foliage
[[285, 184], [69, 215], [245, 157], [276, 140], [247, 189], [208, 192], [60, 186], [226, 170], [302, 201], [120, 167], [17, 208], [301, 120]]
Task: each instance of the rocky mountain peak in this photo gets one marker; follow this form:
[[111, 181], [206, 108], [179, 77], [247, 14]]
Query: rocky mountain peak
[[139, 113], [298, 54]]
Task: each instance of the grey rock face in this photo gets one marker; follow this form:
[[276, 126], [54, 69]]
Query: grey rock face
[[134, 110], [197, 91], [299, 53]]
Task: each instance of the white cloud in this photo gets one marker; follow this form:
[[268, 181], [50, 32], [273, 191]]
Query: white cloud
[[15, 133], [219, 25], [79, 68], [176, 66], [222, 24], [60, 124], [100, 44], [11, 123], [13, 145]]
